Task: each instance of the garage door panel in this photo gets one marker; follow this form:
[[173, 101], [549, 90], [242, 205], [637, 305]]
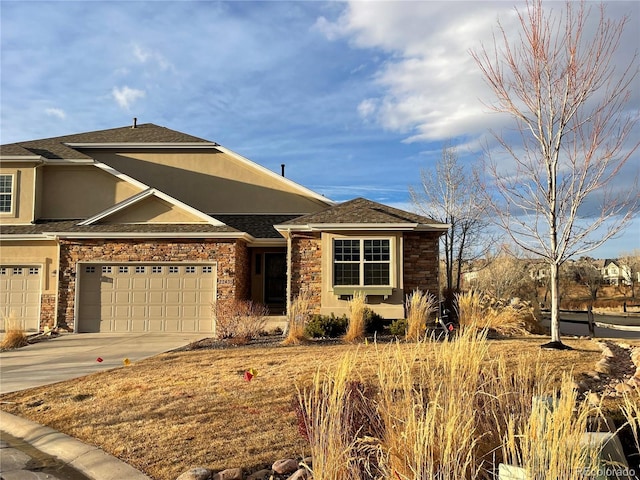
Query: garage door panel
[[156, 283], [20, 293], [172, 325], [172, 297], [136, 297], [139, 283]]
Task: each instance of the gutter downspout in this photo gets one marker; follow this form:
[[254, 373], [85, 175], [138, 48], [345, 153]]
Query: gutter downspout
[[289, 257]]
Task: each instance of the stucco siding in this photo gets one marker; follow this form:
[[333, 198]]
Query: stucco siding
[[78, 192], [211, 181]]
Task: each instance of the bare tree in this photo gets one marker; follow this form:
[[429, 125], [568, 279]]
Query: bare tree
[[632, 261], [567, 100], [585, 273], [452, 194]]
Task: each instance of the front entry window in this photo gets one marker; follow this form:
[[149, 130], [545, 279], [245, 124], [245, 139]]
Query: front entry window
[[361, 262]]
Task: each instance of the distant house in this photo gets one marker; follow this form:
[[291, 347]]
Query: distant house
[[616, 273], [141, 228]]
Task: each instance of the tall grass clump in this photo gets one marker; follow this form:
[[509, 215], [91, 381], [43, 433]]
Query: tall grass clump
[[550, 444], [299, 315], [485, 312], [338, 416], [420, 307], [631, 411], [430, 427], [14, 336], [357, 317]]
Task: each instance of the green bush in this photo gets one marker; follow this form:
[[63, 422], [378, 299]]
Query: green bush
[[398, 327], [326, 326], [374, 322]]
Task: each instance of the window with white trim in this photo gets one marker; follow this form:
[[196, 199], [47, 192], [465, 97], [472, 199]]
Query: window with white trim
[[6, 193], [362, 262]]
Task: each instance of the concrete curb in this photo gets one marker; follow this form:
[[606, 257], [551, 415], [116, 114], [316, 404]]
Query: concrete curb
[[91, 461]]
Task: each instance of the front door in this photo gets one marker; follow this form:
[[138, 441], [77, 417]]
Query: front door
[[275, 278]]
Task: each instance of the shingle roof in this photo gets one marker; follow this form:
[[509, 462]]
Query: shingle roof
[[258, 226], [56, 148], [71, 226], [363, 211]]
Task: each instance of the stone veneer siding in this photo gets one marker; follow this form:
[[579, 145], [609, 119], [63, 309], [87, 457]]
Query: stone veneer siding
[[47, 310], [232, 259], [306, 268], [421, 262]]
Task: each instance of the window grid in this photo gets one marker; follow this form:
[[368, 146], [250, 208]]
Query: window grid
[[173, 269], [123, 269], [34, 270], [3, 271], [106, 269], [17, 271], [140, 269], [190, 269], [207, 269], [156, 269], [6, 193], [90, 269], [371, 268]]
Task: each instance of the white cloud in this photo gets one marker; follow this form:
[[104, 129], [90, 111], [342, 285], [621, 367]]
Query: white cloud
[[144, 55], [56, 112], [125, 96]]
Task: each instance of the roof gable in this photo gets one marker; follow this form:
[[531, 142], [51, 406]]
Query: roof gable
[[62, 148], [365, 213]]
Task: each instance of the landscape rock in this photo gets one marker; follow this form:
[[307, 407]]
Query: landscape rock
[[229, 474], [264, 474], [300, 474], [593, 398], [196, 474], [603, 366], [623, 388], [284, 466]]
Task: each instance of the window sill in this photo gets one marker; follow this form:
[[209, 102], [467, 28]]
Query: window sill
[[367, 290]]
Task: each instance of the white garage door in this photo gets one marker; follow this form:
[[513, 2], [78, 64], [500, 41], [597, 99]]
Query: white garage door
[[169, 297], [20, 296]]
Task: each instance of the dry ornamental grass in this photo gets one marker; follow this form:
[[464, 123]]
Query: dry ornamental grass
[[184, 409]]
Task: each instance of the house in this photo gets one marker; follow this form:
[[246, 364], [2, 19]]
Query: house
[[615, 272], [143, 228]]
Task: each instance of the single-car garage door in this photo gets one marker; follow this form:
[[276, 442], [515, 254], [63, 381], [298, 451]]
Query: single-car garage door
[[20, 296], [131, 297]]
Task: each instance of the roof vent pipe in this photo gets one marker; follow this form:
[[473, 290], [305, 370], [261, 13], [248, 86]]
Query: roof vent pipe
[[135, 122], [282, 169]]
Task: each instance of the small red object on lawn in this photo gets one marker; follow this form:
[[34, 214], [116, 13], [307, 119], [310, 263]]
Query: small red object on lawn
[[99, 359], [248, 376]]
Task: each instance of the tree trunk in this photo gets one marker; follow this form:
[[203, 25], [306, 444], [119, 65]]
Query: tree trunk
[[555, 303]]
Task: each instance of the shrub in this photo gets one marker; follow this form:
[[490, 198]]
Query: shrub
[[357, 309], [420, 306], [374, 322], [299, 313], [398, 327], [240, 320], [504, 317], [326, 326], [14, 333]]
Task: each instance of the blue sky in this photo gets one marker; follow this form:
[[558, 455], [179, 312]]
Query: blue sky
[[355, 98]]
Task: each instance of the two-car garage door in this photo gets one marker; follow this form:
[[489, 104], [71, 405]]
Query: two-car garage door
[[146, 297]]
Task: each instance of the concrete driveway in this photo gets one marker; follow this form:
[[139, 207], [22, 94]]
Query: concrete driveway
[[76, 355]]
